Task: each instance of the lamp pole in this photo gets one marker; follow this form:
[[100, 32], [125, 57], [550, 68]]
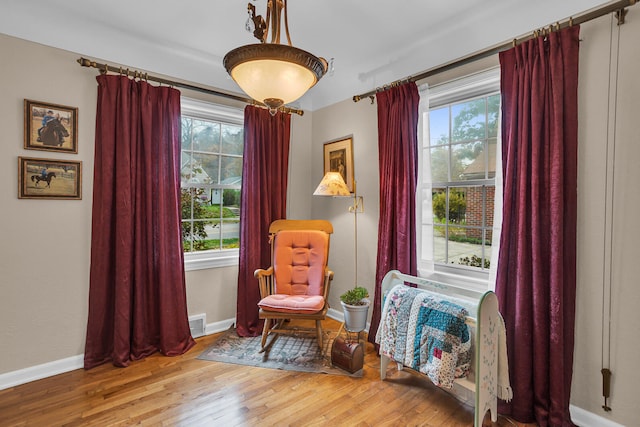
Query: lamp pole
[[357, 206]]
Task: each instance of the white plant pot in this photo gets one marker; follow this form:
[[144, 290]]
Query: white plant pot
[[355, 316]]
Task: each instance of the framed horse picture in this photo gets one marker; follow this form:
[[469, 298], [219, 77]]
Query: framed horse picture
[[50, 127], [338, 157], [49, 179]]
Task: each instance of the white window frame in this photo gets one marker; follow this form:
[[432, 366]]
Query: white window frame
[[201, 260], [472, 86]]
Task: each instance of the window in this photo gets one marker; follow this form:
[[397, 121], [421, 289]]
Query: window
[[211, 179], [458, 176]]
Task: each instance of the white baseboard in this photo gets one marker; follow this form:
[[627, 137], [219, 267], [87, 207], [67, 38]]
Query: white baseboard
[[335, 314], [38, 372], [33, 373], [221, 326], [585, 418]]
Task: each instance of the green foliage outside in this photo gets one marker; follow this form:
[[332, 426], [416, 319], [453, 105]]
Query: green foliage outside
[[468, 131], [211, 215], [472, 122], [212, 154], [457, 206], [474, 261]]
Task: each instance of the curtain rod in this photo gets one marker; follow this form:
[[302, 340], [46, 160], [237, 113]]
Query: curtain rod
[[618, 7], [104, 68]]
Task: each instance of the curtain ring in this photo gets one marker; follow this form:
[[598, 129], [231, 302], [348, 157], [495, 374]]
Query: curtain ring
[[104, 69], [571, 21], [515, 42]]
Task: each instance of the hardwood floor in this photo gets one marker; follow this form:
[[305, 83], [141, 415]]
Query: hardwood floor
[[185, 391]]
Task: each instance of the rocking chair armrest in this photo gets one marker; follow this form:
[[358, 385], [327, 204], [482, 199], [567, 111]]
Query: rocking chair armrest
[[328, 277], [260, 272], [265, 281]]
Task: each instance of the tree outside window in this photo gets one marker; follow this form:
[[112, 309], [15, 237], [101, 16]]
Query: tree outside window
[[211, 179]]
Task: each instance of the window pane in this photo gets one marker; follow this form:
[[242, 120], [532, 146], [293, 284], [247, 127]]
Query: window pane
[[493, 150], [230, 234], [206, 136], [232, 139], [205, 168], [211, 178], [231, 173], [439, 205], [439, 126], [439, 244], [457, 206], [468, 120], [467, 161], [474, 214], [427, 215], [493, 113], [490, 194], [186, 171], [439, 164], [186, 133], [194, 203]]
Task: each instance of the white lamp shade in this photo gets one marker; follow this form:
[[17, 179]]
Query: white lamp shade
[[332, 184]]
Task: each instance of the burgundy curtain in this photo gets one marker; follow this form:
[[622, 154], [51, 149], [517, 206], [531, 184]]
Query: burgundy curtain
[[536, 277], [137, 300], [263, 200], [398, 165]]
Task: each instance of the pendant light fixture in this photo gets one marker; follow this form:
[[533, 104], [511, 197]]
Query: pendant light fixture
[[272, 73]]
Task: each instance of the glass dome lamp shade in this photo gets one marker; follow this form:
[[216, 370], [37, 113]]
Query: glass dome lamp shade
[[274, 74]]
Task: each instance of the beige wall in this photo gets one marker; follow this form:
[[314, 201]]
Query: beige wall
[[44, 258], [45, 252], [608, 200], [329, 124]]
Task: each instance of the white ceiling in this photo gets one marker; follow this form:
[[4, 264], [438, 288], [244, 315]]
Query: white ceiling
[[374, 42]]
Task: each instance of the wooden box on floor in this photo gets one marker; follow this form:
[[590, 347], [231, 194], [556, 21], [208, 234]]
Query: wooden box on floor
[[347, 355]]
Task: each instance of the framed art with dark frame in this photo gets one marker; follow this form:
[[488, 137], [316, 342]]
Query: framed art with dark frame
[[49, 179], [50, 127], [338, 157]]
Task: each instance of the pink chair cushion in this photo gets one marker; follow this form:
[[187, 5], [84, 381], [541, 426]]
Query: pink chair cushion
[[300, 258], [298, 304]]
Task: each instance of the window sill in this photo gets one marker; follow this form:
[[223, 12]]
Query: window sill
[[476, 284], [210, 259]]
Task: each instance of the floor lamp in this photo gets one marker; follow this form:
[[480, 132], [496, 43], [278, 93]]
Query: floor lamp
[[333, 184]]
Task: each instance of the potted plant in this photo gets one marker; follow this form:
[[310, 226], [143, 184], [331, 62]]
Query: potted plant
[[355, 304]]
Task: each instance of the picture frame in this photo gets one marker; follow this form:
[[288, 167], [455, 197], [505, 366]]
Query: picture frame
[[49, 179], [50, 127], [338, 157]]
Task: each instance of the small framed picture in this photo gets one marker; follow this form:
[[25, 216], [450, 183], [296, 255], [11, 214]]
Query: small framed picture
[[49, 179], [50, 127], [338, 157]]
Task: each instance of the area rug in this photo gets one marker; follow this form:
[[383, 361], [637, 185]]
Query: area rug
[[298, 352]]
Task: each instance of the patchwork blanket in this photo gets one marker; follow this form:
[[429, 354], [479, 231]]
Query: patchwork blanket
[[426, 333]]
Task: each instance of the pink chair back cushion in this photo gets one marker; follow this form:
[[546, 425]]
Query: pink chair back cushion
[[300, 258]]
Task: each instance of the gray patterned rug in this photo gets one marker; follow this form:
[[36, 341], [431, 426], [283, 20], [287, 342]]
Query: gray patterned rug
[[299, 352]]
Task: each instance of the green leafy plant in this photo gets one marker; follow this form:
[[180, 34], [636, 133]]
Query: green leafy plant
[[457, 206], [475, 261], [355, 296]]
